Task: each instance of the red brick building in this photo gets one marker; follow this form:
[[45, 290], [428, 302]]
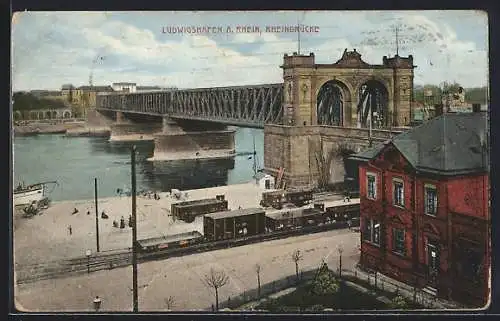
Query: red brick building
[[425, 216]]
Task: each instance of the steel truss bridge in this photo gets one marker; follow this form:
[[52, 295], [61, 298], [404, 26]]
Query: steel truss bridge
[[246, 106]]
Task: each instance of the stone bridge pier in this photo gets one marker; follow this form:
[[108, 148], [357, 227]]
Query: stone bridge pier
[[124, 129], [192, 140], [309, 154]]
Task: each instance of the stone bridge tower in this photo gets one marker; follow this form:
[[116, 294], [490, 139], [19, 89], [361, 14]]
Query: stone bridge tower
[[327, 104]]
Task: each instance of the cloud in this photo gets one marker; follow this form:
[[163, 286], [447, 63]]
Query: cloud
[[50, 49]]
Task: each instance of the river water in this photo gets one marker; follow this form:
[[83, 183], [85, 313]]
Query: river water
[[74, 162]]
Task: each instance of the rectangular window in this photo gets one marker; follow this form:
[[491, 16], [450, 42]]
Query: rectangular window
[[430, 199], [371, 186], [372, 231], [398, 187], [398, 241]]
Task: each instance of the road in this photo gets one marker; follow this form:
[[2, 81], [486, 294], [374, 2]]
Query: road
[[182, 277]]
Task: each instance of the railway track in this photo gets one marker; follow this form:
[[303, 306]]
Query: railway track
[[107, 261]]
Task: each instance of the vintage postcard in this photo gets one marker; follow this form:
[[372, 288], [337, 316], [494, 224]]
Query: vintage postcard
[[250, 161]]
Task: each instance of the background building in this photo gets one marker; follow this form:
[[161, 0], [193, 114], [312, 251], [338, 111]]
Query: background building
[[130, 87], [425, 216]]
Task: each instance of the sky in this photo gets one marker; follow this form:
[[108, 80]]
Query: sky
[[55, 48]]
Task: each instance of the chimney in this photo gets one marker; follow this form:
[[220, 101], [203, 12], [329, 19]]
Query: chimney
[[438, 110], [476, 108]]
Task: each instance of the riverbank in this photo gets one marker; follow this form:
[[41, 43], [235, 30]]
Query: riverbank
[[46, 237], [36, 128]]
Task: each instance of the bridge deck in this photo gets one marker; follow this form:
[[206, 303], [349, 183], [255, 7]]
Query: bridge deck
[[250, 106]]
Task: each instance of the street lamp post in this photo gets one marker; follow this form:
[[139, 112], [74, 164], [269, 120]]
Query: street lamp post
[[96, 215], [134, 231], [88, 253]]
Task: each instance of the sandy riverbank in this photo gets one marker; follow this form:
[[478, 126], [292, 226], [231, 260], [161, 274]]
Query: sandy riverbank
[[46, 237], [47, 128], [101, 131]]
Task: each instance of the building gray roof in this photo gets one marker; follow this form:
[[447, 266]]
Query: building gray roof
[[96, 88], [148, 87], [67, 86], [124, 84], [451, 144]]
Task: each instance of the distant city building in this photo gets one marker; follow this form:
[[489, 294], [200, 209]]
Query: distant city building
[[84, 96], [425, 217], [130, 87], [67, 92]]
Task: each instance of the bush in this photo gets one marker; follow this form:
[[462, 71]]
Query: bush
[[399, 302], [315, 308], [325, 284]]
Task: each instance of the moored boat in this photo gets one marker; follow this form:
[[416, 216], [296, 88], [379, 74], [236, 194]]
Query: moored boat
[[28, 194]]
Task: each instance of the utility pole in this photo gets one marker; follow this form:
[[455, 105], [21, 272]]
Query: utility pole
[[96, 215], [370, 126], [134, 233], [397, 41]]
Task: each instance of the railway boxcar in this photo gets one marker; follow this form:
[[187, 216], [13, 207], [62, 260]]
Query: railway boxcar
[[292, 219], [340, 210], [188, 210], [233, 224], [299, 197], [169, 241], [273, 198]]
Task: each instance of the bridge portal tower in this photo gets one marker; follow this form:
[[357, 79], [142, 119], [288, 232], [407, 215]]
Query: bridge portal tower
[[327, 105]]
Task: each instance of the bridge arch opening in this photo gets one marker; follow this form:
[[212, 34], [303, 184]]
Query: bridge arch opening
[[332, 99], [41, 115], [374, 97], [67, 114], [54, 114], [33, 115], [48, 115]]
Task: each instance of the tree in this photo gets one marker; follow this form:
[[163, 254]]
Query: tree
[[257, 270], [324, 162], [216, 280], [324, 283], [170, 302], [296, 257]]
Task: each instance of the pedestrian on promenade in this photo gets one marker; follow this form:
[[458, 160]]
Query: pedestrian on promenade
[[88, 212], [70, 230], [97, 303], [104, 215], [122, 222], [75, 210], [349, 224]]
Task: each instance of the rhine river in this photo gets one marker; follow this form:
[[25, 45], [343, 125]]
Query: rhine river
[[74, 162]]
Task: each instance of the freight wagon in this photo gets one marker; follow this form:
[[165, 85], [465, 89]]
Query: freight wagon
[[169, 241], [276, 199], [234, 224], [340, 210], [188, 210], [293, 219]]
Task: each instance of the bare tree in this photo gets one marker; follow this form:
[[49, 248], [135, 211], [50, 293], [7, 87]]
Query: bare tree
[[296, 257], [216, 280], [257, 270], [170, 302], [324, 161]]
